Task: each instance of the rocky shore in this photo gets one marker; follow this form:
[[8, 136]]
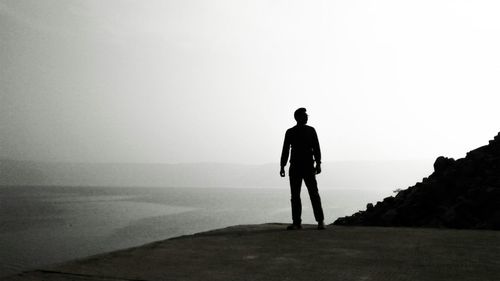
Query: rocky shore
[[462, 193]]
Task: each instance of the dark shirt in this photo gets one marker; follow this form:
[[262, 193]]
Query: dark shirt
[[305, 146]]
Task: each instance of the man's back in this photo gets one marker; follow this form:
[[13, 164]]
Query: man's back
[[305, 146]]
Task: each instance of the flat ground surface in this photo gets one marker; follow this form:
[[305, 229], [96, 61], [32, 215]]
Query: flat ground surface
[[268, 252]]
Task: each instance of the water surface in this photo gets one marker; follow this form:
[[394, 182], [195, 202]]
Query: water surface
[[47, 225]]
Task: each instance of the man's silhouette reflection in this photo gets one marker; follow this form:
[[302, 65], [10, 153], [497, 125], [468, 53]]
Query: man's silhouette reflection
[[305, 151]]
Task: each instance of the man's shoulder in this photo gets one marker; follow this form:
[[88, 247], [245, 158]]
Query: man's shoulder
[[309, 128], [301, 127]]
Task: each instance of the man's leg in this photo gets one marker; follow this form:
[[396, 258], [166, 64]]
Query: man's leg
[[295, 185], [312, 188]]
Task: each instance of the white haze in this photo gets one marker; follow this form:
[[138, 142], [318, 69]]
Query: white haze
[[218, 81]]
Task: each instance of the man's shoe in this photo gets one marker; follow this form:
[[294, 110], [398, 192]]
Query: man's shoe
[[321, 225], [294, 227]]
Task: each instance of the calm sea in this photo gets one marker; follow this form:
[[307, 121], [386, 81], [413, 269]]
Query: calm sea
[[46, 225]]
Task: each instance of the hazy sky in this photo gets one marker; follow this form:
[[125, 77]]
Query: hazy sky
[[218, 81]]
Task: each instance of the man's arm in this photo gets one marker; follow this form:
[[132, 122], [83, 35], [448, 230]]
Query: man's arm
[[316, 152], [284, 154]]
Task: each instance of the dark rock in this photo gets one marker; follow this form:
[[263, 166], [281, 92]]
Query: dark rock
[[388, 218], [442, 164], [462, 193]]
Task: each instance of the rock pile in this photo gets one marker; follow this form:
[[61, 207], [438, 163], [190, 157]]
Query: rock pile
[[463, 193]]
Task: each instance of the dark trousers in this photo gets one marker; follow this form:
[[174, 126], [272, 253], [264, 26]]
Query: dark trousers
[[308, 174]]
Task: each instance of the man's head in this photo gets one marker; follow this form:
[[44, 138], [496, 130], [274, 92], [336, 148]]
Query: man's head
[[300, 116]]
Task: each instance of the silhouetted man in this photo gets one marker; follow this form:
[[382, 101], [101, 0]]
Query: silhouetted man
[[305, 151]]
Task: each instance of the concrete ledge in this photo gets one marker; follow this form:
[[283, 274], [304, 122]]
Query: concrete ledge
[[269, 252]]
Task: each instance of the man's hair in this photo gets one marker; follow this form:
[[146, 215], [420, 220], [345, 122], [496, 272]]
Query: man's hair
[[298, 113]]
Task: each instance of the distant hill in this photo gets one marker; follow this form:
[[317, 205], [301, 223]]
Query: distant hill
[[463, 193], [341, 175]]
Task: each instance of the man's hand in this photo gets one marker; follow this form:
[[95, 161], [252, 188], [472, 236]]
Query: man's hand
[[282, 172], [318, 168]]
